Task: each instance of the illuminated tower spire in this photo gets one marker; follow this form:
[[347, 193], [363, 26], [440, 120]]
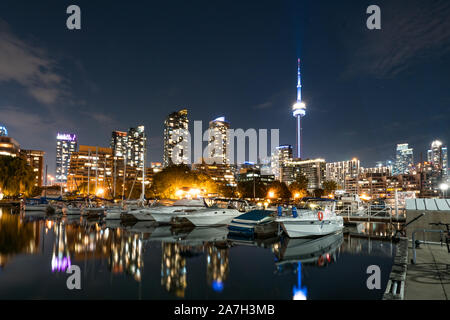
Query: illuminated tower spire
[[299, 110]]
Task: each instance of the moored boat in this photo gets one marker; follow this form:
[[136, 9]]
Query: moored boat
[[222, 212], [255, 223], [164, 214], [318, 218]]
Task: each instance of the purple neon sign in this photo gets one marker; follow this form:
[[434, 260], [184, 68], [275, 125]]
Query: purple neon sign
[[66, 136]]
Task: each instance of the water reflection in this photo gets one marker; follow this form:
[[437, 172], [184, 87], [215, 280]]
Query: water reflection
[[122, 250], [173, 269], [16, 236], [217, 267]]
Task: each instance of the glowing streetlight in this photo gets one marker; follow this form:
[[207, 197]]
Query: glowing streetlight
[[271, 194], [444, 188], [100, 191], [179, 193]]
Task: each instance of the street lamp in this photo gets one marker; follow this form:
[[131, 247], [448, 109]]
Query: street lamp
[[444, 188]]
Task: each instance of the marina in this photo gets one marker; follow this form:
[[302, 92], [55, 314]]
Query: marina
[[147, 261]]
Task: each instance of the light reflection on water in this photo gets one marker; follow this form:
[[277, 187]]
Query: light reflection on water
[[143, 261]]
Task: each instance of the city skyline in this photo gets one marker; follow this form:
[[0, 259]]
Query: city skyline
[[360, 109]]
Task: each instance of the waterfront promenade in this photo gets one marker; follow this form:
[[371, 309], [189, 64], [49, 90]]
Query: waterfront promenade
[[429, 278]]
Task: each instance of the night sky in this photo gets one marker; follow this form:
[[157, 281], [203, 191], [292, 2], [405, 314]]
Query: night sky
[[134, 62]]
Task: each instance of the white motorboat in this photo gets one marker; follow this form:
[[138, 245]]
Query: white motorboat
[[72, 209], [163, 214], [117, 211], [211, 216], [221, 212], [318, 218]]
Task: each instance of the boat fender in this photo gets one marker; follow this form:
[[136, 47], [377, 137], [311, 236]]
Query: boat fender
[[320, 215], [320, 261], [280, 211], [294, 212]]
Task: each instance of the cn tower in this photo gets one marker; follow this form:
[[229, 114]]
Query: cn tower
[[299, 110]]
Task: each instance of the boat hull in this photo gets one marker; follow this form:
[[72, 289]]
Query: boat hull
[[220, 217], [311, 228], [36, 207]]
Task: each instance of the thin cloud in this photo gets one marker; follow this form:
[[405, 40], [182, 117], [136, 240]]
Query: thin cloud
[[264, 105], [410, 31], [29, 66]]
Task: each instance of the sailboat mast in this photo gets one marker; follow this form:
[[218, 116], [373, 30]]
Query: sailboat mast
[[89, 172], [143, 172]]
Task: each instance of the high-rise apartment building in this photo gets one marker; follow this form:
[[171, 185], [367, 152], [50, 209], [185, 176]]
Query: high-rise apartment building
[[35, 159], [66, 143], [136, 147], [281, 155], [176, 138], [218, 140], [404, 159], [438, 158], [342, 170], [119, 143], [313, 170]]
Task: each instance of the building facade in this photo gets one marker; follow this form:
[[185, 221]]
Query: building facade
[[218, 141], [221, 173], [35, 159], [66, 144], [119, 143], [340, 171], [176, 138], [106, 173], [404, 159], [313, 170], [438, 158], [9, 147], [280, 157], [136, 147]]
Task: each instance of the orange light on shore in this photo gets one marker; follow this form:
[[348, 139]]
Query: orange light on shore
[[365, 197]]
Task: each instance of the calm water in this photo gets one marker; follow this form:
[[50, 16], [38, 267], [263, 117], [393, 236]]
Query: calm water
[[148, 262]]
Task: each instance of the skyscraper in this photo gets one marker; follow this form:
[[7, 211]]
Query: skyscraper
[[299, 111], [281, 155], [176, 137], [136, 147], [66, 143], [119, 143], [404, 159], [218, 140], [437, 156]]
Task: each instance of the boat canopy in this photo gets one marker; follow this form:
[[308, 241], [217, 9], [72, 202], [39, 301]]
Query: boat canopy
[[189, 203], [255, 215]]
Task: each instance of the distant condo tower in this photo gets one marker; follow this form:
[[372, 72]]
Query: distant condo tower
[[66, 144], [176, 138], [299, 110]]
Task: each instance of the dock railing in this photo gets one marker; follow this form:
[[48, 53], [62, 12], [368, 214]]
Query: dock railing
[[369, 212]]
